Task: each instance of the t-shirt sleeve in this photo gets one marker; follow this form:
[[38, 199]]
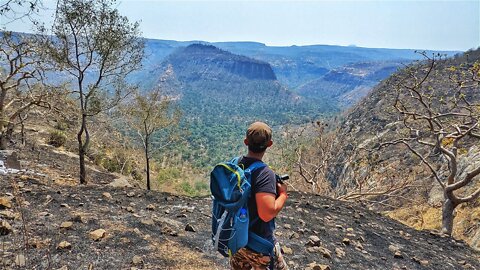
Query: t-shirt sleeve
[[265, 181]]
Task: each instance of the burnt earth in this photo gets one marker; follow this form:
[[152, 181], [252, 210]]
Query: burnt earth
[[153, 230]]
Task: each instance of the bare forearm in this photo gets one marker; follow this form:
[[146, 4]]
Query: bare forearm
[[279, 203]]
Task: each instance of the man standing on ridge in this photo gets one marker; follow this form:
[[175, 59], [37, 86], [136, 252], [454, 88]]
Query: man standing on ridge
[[267, 199]]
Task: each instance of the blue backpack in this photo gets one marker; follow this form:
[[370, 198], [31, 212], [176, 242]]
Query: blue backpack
[[230, 185]]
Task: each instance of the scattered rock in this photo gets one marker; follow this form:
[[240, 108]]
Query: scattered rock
[[287, 250], [346, 241], [63, 268], [97, 234], [44, 214], [316, 266], [130, 209], [130, 194], [190, 228], [420, 261], [120, 182], [325, 252], [294, 236], [64, 245], [147, 221], [151, 207], [5, 203], [7, 214], [39, 243], [5, 228], [169, 222], [313, 241], [398, 255], [107, 195], [393, 248], [358, 245], [66, 225], [64, 205], [20, 260], [339, 252], [137, 260]]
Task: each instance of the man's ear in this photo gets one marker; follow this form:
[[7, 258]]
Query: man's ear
[[245, 141], [269, 143]]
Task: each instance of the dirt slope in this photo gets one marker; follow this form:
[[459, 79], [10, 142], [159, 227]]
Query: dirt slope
[[152, 230]]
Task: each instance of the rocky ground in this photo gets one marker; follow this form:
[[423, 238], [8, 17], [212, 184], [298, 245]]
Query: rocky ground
[[48, 222]]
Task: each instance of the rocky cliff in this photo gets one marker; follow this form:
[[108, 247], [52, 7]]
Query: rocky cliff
[[198, 61]]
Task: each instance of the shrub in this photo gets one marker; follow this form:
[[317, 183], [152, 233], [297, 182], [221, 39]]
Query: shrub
[[57, 138], [188, 189], [168, 174]]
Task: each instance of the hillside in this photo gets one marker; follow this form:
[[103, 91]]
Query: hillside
[[294, 66], [51, 223], [374, 121], [220, 93]]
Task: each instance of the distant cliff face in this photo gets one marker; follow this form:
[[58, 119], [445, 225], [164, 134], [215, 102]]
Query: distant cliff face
[[208, 62], [347, 85]]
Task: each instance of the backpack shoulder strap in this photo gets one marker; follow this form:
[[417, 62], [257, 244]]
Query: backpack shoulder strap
[[256, 165], [235, 160]]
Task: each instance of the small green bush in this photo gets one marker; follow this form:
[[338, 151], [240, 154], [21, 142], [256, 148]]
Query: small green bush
[[198, 188], [60, 125], [168, 174], [188, 189], [202, 187], [57, 138]]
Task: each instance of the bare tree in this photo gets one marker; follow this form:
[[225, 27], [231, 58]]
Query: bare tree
[[97, 47], [313, 151], [148, 115], [20, 81], [439, 111], [372, 182]]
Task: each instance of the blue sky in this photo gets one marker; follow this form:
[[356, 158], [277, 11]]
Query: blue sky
[[437, 25]]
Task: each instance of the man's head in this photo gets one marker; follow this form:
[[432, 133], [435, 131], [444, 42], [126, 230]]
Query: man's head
[[258, 137]]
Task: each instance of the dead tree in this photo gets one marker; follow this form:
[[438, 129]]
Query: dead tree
[[313, 153], [438, 107], [20, 81]]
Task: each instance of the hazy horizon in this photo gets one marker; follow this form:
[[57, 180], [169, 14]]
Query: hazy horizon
[[423, 25]]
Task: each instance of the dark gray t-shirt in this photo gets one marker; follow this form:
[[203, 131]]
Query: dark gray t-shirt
[[263, 180]]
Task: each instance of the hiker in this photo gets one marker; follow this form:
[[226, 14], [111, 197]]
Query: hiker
[[267, 199]]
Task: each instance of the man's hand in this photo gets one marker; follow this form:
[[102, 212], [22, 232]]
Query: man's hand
[[281, 188]]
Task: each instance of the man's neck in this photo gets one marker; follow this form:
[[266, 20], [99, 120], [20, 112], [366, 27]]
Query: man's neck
[[258, 156]]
